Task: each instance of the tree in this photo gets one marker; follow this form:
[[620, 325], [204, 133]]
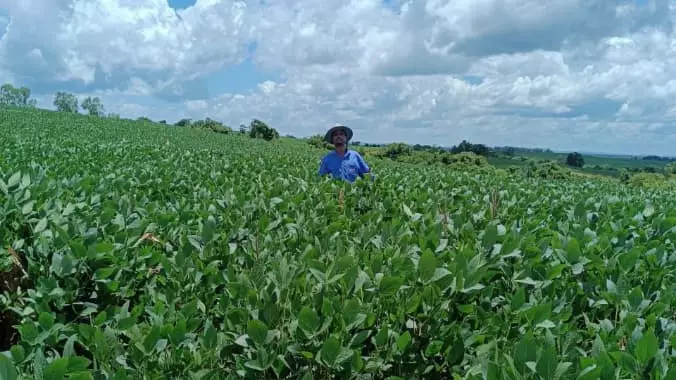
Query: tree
[[11, 96], [183, 123], [394, 150], [670, 169], [66, 102], [466, 146], [575, 159], [211, 124], [258, 129], [93, 106], [509, 151], [319, 142], [463, 159]]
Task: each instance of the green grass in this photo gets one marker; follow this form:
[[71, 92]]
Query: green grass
[[156, 252]]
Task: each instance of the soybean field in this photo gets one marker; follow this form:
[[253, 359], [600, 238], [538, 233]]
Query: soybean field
[[135, 250]]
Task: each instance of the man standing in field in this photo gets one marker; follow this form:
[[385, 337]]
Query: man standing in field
[[342, 163]]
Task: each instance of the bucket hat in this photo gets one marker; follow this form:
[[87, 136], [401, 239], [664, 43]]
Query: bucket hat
[[347, 130]]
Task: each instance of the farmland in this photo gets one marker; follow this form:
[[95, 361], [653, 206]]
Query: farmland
[[136, 250]]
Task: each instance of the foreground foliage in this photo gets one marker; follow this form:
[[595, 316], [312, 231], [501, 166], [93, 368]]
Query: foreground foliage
[[162, 252]]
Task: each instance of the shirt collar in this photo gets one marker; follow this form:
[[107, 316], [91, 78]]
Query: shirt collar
[[346, 155]]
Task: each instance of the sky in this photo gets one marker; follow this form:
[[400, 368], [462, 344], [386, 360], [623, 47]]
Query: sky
[[584, 75]]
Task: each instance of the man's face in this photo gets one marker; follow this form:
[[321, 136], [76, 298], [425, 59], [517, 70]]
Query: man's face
[[339, 138]]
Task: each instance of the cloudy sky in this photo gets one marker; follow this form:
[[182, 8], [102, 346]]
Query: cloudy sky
[[589, 75]]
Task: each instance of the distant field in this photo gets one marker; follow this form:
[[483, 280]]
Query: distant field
[[152, 252], [599, 165], [591, 160]]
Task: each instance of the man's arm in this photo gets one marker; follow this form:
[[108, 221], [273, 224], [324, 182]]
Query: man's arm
[[323, 168], [363, 167]]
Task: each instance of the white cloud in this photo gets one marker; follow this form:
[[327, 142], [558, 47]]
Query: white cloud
[[196, 105], [569, 74], [118, 43], [4, 23]]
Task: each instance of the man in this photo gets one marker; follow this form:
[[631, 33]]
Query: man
[[342, 163]]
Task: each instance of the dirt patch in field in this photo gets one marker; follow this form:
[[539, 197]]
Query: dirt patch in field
[[10, 282]]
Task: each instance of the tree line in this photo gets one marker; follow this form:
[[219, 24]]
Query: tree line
[[20, 97]]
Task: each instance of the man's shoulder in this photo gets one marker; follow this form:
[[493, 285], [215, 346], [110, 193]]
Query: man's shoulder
[[355, 154]]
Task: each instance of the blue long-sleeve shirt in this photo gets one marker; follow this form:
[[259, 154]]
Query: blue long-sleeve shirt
[[347, 167]]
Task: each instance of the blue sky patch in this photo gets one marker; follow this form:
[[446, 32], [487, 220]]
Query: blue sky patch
[[181, 4], [394, 5], [238, 78], [473, 79], [596, 109]]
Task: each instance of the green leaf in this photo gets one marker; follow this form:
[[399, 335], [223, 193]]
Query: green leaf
[[427, 265], [330, 350], [490, 236], [13, 181], [77, 364], [646, 347], [524, 351], [255, 365], [69, 347], [210, 337], [257, 331], [46, 320], [308, 320], [208, 229], [648, 211], [573, 250], [562, 369], [547, 364], [389, 285], [492, 371], [25, 181], [27, 208], [178, 333], [18, 353], [81, 376], [592, 372], [41, 226], [433, 348], [439, 273], [625, 361], [404, 341], [671, 374], [518, 299], [57, 369], [383, 335], [28, 331], [629, 259], [150, 340], [456, 352], [580, 211], [546, 324], [7, 369]]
